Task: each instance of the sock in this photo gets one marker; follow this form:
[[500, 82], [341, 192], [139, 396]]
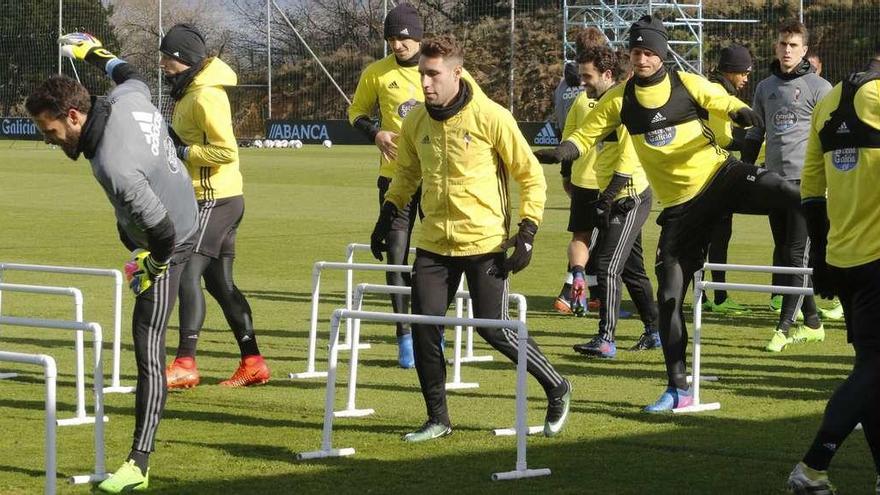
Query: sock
[[565, 293], [189, 339], [812, 321], [247, 345], [720, 296], [784, 326], [141, 460]]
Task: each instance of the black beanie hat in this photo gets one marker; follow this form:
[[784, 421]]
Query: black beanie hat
[[735, 58], [185, 43], [403, 21], [648, 33]]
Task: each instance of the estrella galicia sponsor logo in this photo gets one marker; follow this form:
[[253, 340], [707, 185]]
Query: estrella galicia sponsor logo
[[171, 155], [660, 137], [845, 159], [405, 107], [784, 119], [546, 136], [19, 127], [301, 131]]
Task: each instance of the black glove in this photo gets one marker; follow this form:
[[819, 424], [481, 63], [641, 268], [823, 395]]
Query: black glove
[[572, 75], [565, 169], [824, 281], [566, 151], [746, 117], [603, 213], [522, 244], [379, 237], [751, 148], [605, 202]]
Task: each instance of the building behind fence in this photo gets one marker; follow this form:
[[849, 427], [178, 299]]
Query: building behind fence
[[514, 51]]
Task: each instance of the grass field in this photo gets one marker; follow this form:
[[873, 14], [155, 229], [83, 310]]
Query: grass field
[[306, 205]]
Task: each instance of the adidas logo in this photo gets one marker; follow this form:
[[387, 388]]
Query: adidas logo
[[393, 85], [151, 125], [658, 118], [640, 39], [426, 140], [405, 31], [546, 136], [843, 129], [177, 54]]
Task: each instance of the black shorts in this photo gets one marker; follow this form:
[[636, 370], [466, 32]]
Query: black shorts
[[218, 224], [582, 213], [860, 297]]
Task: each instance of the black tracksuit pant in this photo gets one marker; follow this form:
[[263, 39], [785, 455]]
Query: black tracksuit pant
[[435, 280], [619, 258], [718, 244], [790, 234], [149, 322], [398, 248], [857, 399], [684, 237]]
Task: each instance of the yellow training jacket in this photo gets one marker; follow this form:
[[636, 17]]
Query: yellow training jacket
[[464, 165], [679, 159], [583, 171], [851, 177], [203, 120], [396, 90]]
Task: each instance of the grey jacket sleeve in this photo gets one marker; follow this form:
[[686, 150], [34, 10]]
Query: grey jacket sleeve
[[756, 133]]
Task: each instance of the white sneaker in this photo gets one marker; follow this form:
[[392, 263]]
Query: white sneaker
[[806, 481]]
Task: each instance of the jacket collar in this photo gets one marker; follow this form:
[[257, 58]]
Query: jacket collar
[[93, 129]]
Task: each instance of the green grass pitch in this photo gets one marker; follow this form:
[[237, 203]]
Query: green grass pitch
[[306, 205]]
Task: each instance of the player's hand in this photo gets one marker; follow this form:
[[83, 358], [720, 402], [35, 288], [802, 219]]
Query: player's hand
[[385, 142], [142, 270], [746, 117], [84, 46], [522, 244], [824, 281], [379, 237], [547, 155], [602, 208], [566, 185]]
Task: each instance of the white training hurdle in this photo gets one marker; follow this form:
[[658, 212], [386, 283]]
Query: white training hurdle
[[327, 449], [701, 286], [100, 473], [350, 251], [317, 270], [351, 409], [81, 417], [116, 275], [50, 372]]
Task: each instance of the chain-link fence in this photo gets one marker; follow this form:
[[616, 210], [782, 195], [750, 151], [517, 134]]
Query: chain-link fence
[[514, 51]]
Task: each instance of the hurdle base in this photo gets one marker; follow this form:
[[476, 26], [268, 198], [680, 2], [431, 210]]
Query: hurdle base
[[509, 432], [83, 479], [703, 378], [520, 473], [6, 376], [353, 413], [347, 347], [477, 359], [711, 406], [88, 420], [461, 385], [321, 454], [119, 390], [308, 374]]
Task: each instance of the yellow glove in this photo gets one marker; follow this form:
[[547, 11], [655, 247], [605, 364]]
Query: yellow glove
[[142, 270], [84, 46]]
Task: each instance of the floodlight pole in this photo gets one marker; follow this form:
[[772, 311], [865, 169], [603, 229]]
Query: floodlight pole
[[269, 50], [512, 50], [60, 31]]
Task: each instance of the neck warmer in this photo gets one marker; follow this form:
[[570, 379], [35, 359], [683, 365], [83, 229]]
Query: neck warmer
[[801, 69], [93, 130], [652, 79], [182, 80], [461, 99]]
